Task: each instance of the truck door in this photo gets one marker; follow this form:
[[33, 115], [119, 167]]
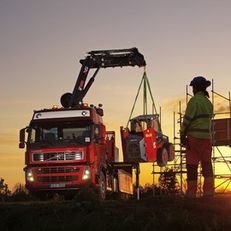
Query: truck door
[[99, 143]]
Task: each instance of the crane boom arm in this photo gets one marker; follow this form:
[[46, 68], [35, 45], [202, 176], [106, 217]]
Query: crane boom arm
[[96, 60]]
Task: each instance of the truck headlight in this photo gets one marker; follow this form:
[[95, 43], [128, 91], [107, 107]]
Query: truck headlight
[[86, 173], [29, 175]]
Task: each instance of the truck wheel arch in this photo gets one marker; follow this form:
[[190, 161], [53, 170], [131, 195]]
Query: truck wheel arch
[[101, 185]]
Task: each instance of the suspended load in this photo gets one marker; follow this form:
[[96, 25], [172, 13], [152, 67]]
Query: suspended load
[[142, 138]]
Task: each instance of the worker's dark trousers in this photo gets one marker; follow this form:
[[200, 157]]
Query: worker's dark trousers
[[199, 150]]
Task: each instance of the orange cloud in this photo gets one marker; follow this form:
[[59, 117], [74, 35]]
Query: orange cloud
[[7, 138]]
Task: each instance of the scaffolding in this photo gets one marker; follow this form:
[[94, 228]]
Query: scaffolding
[[221, 140], [221, 143]]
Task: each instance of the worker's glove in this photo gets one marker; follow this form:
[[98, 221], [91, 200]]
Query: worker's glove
[[183, 140]]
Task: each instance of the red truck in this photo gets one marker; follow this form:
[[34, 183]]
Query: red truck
[[69, 147]]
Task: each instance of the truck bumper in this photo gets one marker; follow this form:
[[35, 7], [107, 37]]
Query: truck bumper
[[56, 178]]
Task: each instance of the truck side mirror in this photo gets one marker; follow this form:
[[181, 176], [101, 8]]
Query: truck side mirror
[[22, 138], [21, 145]]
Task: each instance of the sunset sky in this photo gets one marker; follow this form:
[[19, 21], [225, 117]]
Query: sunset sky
[[41, 43]]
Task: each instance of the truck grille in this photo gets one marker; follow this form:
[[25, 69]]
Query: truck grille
[[49, 179], [57, 156], [57, 170]]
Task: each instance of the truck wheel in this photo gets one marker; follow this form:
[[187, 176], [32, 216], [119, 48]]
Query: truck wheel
[[39, 195], [171, 152], [102, 186], [162, 157]]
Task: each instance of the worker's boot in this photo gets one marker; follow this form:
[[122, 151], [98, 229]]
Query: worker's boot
[[208, 187], [191, 180], [191, 188]]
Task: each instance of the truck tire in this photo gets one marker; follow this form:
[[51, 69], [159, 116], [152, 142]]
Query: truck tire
[[102, 186], [162, 157], [171, 152]]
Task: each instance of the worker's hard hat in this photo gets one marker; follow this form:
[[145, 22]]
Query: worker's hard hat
[[200, 81]]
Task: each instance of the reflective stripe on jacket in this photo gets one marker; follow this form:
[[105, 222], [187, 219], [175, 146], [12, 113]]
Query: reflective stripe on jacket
[[197, 118]]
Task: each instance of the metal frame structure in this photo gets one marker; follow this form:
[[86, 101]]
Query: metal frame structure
[[219, 156]]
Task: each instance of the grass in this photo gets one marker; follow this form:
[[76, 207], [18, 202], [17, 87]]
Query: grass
[[159, 213]]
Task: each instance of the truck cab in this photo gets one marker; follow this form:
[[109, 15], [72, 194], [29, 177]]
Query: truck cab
[[66, 148]]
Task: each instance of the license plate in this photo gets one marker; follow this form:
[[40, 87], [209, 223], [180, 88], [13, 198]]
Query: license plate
[[58, 185]]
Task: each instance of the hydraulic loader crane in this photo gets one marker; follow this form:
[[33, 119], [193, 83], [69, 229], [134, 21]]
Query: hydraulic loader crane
[[96, 60], [69, 148]]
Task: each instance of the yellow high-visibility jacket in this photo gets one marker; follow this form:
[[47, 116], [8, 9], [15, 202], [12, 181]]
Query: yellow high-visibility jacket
[[197, 118]]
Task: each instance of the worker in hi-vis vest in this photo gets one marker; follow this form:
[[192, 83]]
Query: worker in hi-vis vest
[[196, 136]]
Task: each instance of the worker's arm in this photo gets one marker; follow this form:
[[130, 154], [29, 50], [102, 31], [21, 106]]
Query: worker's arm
[[187, 120]]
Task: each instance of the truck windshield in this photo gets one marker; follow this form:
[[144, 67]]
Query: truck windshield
[[62, 134]]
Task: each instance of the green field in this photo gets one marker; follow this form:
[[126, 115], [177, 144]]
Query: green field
[[159, 213]]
